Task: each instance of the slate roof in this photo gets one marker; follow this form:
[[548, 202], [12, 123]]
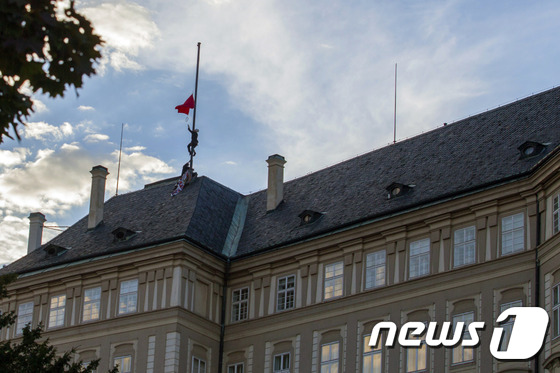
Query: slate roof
[[474, 153]]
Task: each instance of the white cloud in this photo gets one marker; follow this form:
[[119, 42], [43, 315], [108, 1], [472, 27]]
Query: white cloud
[[86, 108], [231, 163], [96, 137], [44, 131], [14, 157], [135, 148]]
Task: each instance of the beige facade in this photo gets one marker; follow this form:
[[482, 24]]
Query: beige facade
[[309, 306]]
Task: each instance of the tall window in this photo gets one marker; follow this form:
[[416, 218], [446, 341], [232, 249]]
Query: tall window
[[375, 269], [329, 358], [235, 368], [92, 301], [240, 304], [508, 325], [556, 214], [334, 280], [128, 298], [24, 316], [556, 311], [512, 234], [286, 293], [56, 311], [417, 357], [198, 365], [464, 251], [463, 354], [124, 363], [372, 356], [282, 363], [419, 263]]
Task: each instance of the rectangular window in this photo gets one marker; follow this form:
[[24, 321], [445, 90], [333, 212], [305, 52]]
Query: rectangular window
[[198, 365], [463, 354], [282, 363], [235, 368], [419, 264], [128, 297], [512, 234], [286, 293], [507, 326], [92, 302], [24, 316], [556, 311], [464, 249], [375, 269], [240, 304], [416, 357], [556, 214], [124, 363], [372, 356], [56, 311], [329, 358], [334, 280]]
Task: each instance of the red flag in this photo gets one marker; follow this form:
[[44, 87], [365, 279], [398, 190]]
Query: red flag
[[189, 104]]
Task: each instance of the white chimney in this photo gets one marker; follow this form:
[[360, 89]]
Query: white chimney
[[36, 221], [98, 178], [275, 191]]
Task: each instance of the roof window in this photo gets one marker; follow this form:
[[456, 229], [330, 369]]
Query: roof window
[[397, 190], [122, 234], [309, 216], [530, 149], [55, 250]]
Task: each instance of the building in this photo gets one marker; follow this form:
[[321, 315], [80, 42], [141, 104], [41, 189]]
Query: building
[[457, 224]]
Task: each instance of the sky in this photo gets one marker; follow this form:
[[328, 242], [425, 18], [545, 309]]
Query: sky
[[311, 80]]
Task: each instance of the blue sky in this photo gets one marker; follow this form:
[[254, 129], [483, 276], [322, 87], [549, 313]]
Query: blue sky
[[311, 80]]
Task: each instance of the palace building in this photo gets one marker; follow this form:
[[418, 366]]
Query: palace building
[[457, 224]]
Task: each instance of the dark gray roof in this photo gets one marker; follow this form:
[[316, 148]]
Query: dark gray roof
[[474, 153]]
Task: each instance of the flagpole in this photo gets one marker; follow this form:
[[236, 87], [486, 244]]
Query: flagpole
[[195, 96], [120, 153], [395, 111]]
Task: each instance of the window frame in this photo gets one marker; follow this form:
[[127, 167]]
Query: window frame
[[238, 312], [423, 348], [507, 327], [513, 231], [60, 312], [122, 358], [199, 360], [28, 316], [556, 214], [421, 256], [282, 360], [289, 294], [464, 245], [87, 303], [465, 336], [555, 311], [331, 362], [372, 352], [236, 368], [126, 297], [371, 274], [336, 281]]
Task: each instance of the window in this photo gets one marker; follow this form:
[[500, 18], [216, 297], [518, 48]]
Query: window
[[86, 364], [512, 234], [198, 365], [286, 293], [128, 297], [334, 280], [329, 358], [464, 251], [372, 357], [508, 325], [556, 214], [235, 368], [124, 363], [416, 357], [282, 363], [375, 269], [24, 316], [56, 311], [92, 300], [463, 354], [240, 304], [556, 311], [419, 264]]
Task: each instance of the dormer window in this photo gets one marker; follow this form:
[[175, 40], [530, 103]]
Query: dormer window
[[397, 189], [309, 216], [530, 149], [54, 250], [122, 234]]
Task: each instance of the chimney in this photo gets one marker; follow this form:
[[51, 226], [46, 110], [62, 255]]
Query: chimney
[[275, 191], [36, 221], [98, 178]]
